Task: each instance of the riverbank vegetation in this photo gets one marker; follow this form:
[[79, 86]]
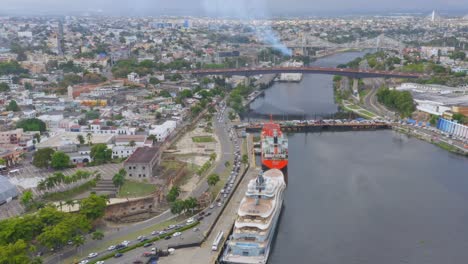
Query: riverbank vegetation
[[402, 101], [236, 97]]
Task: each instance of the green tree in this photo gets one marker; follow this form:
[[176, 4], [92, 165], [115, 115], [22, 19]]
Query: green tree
[[32, 124], [13, 106], [91, 115], [119, 178], [100, 153], [28, 86], [97, 235], [4, 87], [212, 156], [42, 157], [15, 253], [80, 139], [213, 179], [154, 81], [177, 207], [227, 164], [60, 160], [132, 143], [152, 138], [2, 161], [27, 198], [93, 207], [190, 204], [173, 193], [245, 159], [89, 137]]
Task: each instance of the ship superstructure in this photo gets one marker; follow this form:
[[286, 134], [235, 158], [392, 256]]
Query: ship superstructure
[[274, 148], [258, 216]]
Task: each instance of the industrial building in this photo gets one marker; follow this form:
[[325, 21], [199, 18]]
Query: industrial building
[[453, 128], [8, 191], [142, 163]]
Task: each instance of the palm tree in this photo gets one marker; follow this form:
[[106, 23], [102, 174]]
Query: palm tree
[[80, 139], [89, 137]]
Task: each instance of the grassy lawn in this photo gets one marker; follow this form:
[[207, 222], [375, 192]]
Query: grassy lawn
[[136, 189], [203, 139], [353, 107], [367, 113], [62, 196]]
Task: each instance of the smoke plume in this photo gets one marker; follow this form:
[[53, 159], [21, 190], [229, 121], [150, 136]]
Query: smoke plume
[[248, 10]]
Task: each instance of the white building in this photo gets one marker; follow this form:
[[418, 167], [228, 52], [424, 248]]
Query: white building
[[122, 151], [25, 34], [163, 131], [431, 88], [431, 107], [51, 121], [133, 77], [6, 79]]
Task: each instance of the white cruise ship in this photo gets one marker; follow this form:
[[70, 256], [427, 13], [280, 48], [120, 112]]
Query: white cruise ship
[[258, 216]]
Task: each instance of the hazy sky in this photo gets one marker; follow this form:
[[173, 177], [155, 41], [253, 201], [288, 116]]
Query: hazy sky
[[231, 7]]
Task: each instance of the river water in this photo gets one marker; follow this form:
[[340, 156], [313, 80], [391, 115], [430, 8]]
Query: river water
[[313, 96], [365, 197]]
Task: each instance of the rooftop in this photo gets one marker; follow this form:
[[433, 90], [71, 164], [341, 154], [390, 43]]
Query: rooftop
[[143, 155]]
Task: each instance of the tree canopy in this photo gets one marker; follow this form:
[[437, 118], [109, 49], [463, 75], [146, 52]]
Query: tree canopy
[[60, 160], [43, 157], [93, 207], [100, 153], [119, 178], [13, 106], [32, 124], [402, 101]]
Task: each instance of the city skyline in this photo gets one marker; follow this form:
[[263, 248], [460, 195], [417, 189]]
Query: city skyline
[[258, 9]]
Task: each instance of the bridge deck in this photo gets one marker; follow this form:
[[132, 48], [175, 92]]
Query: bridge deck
[[305, 70], [323, 127]]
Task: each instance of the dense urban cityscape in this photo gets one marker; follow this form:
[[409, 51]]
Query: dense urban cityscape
[[172, 139]]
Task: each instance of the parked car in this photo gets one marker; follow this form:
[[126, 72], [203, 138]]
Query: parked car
[[148, 244], [118, 255], [92, 255], [176, 234]]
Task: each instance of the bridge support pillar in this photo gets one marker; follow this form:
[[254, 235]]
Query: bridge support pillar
[[356, 88]]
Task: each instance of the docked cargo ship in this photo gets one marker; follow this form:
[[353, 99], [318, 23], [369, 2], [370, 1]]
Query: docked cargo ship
[[274, 148], [258, 216]]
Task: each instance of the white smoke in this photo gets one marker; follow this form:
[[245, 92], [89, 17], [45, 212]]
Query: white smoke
[[248, 10]]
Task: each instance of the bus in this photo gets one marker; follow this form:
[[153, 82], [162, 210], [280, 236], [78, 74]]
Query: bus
[[217, 240]]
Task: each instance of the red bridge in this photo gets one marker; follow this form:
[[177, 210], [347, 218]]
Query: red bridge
[[307, 69]]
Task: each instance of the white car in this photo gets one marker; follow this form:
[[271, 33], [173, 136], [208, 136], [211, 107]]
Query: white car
[[176, 234], [190, 220], [85, 261], [92, 255], [140, 237], [111, 248], [125, 243], [100, 262]]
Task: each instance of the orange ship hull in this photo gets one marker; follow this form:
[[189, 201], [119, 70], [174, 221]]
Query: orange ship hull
[[275, 164]]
